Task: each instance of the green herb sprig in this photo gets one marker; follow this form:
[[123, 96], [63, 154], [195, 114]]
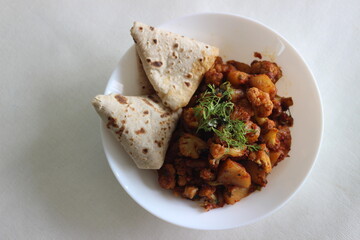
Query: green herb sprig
[[213, 113], [214, 107]]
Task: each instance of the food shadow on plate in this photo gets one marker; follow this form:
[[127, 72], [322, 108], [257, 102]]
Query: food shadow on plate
[[129, 77]]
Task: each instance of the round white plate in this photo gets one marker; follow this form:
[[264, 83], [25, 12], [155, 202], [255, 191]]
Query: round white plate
[[237, 38]]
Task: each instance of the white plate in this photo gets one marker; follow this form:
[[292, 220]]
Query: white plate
[[238, 38]]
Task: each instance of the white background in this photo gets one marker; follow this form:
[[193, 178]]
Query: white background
[[55, 182]]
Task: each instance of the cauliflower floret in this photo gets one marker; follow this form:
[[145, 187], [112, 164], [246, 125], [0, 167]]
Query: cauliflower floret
[[271, 139], [254, 132], [260, 101], [191, 146], [219, 152], [235, 152], [190, 192], [207, 191], [265, 123], [261, 158], [259, 165]]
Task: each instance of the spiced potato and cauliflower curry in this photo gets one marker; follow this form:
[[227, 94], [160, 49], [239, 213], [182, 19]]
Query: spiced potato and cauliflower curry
[[234, 130]]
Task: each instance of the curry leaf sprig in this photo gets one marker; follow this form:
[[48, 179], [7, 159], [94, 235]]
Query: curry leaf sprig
[[213, 113]]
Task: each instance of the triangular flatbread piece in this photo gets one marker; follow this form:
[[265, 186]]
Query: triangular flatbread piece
[[142, 124], [174, 64]]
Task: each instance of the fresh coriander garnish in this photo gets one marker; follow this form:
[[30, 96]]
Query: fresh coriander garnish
[[214, 107], [234, 134], [213, 113]]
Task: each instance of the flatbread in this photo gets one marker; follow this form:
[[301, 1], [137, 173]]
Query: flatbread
[[174, 64], [142, 124]]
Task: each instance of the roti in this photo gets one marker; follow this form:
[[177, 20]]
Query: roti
[[174, 64], [142, 124]]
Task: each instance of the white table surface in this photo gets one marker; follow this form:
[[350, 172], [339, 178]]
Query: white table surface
[[55, 182]]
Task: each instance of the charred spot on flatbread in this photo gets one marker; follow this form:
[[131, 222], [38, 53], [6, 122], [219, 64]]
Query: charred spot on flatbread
[[156, 63], [176, 45], [112, 123], [120, 131], [159, 143], [121, 99], [145, 151], [146, 112], [140, 131], [187, 84], [155, 41], [189, 75]]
